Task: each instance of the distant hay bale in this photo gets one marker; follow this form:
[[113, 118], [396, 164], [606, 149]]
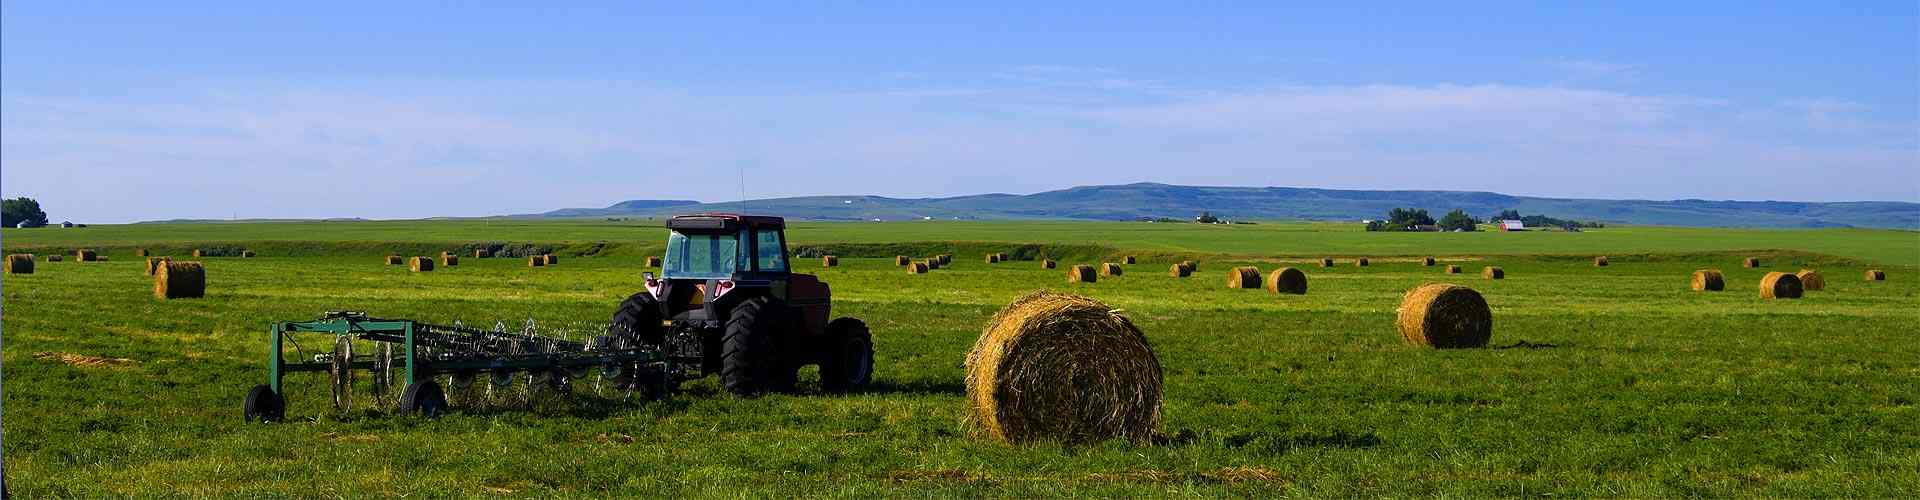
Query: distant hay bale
[[140, 253], [1708, 280], [1453, 269], [1287, 280], [829, 261], [1811, 280], [449, 260], [1082, 274], [1002, 256], [1427, 261], [917, 268], [180, 280], [1778, 285], [1444, 316], [1061, 368], [154, 263], [1326, 262], [1600, 261], [1360, 262], [1750, 263], [901, 260], [85, 255], [1179, 271], [246, 254], [395, 260], [932, 263], [946, 259], [483, 253], [653, 262], [993, 258], [1190, 265], [1048, 264], [1244, 277], [1130, 260], [536, 261], [420, 264], [1111, 269], [550, 259], [102, 258], [53, 258], [20, 263], [1493, 273], [197, 253], [1876, 275]]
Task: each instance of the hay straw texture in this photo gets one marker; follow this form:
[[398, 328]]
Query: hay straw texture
[[1600, 262], [154, 263], [901, 260], [1750, 263], [1179, 271], [1111, 269], [1048, 264], [180, 280], [1287, 280], [917, 268], [550, 259], [1082, 274], [1062, 368], [829, 261], [1811, 280], [1876, 275], [449, 260], [140, 253], [420, 264], [1326, 262], [395, 260], [482, 254], [1360, 262], [53, 258], [20, 263], [1427, 261], [1777, 285], [1708, 280], [197, 253], [536, 261], [1493, 273], [1445, 316], [1453, 269], [653, 262], [1130, 260], [85, 255], [1244, 277]]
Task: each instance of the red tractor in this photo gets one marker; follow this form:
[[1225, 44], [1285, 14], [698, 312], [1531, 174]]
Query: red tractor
[[727, 302]]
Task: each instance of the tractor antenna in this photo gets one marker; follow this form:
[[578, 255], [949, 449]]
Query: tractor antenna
[[743, 187]]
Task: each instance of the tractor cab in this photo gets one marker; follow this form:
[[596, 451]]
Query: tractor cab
[[716, 260]]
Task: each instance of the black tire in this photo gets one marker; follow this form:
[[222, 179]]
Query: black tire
[[263, 405], [747, 364], [638, 319], [424, 398], [846, 358]]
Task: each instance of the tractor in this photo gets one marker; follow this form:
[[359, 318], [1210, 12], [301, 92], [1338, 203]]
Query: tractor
[[727, 302]]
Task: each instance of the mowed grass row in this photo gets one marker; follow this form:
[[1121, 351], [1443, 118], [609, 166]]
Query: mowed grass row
[[1648, 388]]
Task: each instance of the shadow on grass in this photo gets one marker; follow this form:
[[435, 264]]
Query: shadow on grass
[[917, 388], [1281, 444], [1523, 344]]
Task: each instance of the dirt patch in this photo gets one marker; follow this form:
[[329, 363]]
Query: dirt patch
[[84, 361]]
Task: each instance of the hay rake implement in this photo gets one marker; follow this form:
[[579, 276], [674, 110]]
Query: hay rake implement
[[421, 352]]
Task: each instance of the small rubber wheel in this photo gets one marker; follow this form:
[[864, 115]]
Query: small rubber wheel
[[423, 398], [263, 405], [846, 361]]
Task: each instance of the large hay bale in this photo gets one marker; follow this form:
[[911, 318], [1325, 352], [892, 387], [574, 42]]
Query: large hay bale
[[1326, 262], [1082, 274], [1600, 261], [1750, 263], [1778, 285], [1360, 262], [653, 262], [140, 253], [1111, 269], [1427, 261], [1493, 273], [550, 259], [536, 261], [85, 255], [482, 253], [180, 280], [1179, 271], [395, 260], [1063, 368], [1244, 277], [901, 260], [154, 263], [1048, 264], [1876, 275], [917, 268], [1130, 261], [53, 258], [1708, 280], [1811, 280], [1452, 269], [829, 261], [449, 260], [20, 263], [1287, 280], [420, 264], [1445, 316]]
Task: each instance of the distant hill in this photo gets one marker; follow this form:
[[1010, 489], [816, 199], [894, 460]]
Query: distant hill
[[1131, 201]]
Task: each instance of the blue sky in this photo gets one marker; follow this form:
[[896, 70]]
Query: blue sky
[[119, 112]]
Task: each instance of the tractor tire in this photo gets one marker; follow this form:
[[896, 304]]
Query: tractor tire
[[846, 359], [747, 362], [263, 405], [638, 319], [424, 398]]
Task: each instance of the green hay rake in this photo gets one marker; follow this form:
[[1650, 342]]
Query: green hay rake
[[422, 352]]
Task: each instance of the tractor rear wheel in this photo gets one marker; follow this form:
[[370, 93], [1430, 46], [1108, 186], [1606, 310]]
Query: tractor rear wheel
[[263, 405], [747, 362], [423, 397], [846, 359], [638, 319]]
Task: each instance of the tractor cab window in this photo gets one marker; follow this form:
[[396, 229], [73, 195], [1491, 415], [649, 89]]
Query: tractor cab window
[[702, 256], [771, 251]]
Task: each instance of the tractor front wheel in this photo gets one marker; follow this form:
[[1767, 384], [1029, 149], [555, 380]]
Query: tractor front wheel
[[846, 361], [263, 405]]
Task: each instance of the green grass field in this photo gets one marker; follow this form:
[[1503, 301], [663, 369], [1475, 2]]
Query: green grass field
[[1648, 388]]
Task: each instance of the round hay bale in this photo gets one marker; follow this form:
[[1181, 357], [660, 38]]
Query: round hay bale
[[1750, 263], [20, 263], [1244, 277], [901, 260], [1190, 265], [1445, 316], [1872, 275], [550, 259], [1048, 264], [420, 264], [933, 263], [1427, 261], [53, 258], [1811, 280], [1002, 256], [102, 258], [1453, 269], [1708, 280], [246, 254], [1179, 271], [449, 260], [1360, 262], [140, 253], [1600, 261], [536, 261], [1063, 368], [1493, 273], [1287, 280], [1778, 285], [482, 253], [1130, 261], [1082, 274], [395, 260], [653, 262], [197, 253], [154, 263], [1326, 262], [1111, 269], [829, 261], [946, 259], [993, 258], [85, 255], [917, 268], [180, 280]]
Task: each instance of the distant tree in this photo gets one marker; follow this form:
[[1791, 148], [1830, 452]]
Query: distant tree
[[1457, 220], [22, 210], [1377, 225], [1400, 219]]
